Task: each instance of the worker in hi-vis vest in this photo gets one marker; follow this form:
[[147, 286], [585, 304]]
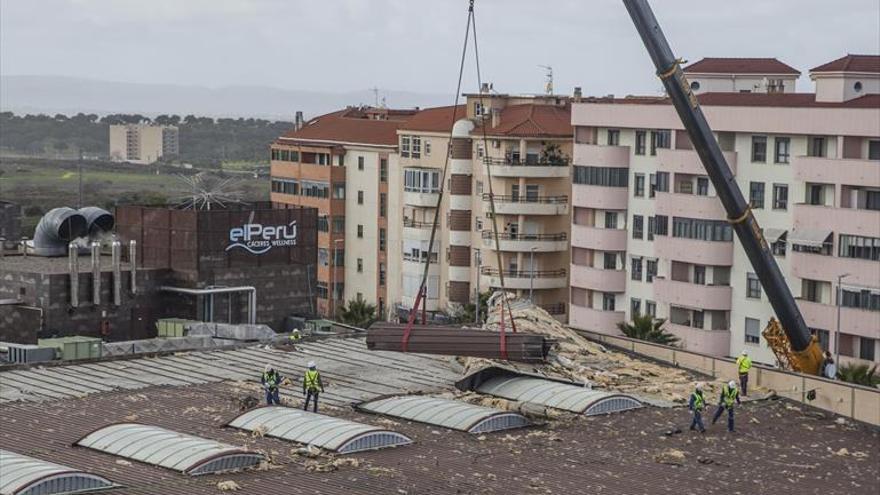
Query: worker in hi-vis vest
[[271, 380], [696, 404], [743, 365], [311, 385], [729, 395]]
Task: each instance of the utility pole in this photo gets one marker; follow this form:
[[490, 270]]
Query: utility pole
[[837, 333]]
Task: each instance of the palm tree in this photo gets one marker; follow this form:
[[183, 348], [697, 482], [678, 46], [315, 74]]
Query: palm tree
[[357, 313], [645, 327], [860, 374]]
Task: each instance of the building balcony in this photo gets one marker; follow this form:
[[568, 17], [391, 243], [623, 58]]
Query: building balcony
[[695, 296], [599, 197], [690, 206], [431, 303], [594, 320], [507, 167], [712, 342], [828, 268], [524, 279], [845, 220], [598, 239], [529, 205], [423, 199], [524, 243], [417, 231], [694, 251], [415, 267], [835, 171], [688, 162], [854, 321], [597, 279], [594, 155]]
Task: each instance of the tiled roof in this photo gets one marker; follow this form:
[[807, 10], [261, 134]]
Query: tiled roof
[[715, 65], [352, 125], [437, 119], [806, 100], [851, 63], [531, 120]]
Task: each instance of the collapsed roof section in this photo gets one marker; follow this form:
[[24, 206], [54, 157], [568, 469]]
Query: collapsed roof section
[[328, 433], [23, 475], [447, 413], [169, 449]]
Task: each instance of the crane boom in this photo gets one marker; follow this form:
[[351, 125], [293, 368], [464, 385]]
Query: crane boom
[[806, 351]]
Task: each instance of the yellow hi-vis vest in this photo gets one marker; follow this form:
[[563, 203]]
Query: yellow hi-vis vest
[[729, 395], [310, 380], [744, 363], [698, 401]]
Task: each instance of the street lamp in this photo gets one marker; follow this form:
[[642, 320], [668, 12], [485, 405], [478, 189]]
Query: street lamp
[[532, 273], [837, 333], [334, 300]]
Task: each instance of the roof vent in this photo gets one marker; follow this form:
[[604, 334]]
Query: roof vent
[[56, 229], [23, 475], [98, 220], [452, 414]]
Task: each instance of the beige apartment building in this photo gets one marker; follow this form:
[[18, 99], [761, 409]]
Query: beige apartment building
[[143, 143], [650, 236]]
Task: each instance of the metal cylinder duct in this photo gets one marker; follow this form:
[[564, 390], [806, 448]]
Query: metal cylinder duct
[[56, 229], [73, 267], [116, 259], [132, 260], [98, 220], [96, 273]]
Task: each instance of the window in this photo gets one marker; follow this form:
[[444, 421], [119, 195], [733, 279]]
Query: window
[[699, 319], [428, 147], [661, 182], [339, 257], [339, 190], [695, 85], [650, 270], [702, 230], [783, 147], [652, 185], [382, 241], [610, 261], [753, 331], [383, 170], [811, 290], [780, 196], [315, 189], [640, 142], [478, 109], [660, 139], [532, 192], [651, 308], [323, 257], [360, 265], [340, 160], [856, 246], [323, 223], [613, 137], [861, 299], [338, 225], [759, 149], [636, 272], [607, 301], [381, 275], [651, 227], [661, 225], [816, 147], [700, 274], [873, 150], [601, 176], [635, 306], [610, 220], [639, 188], [872, 200], [360, 197], [360, 232], [421, 180], [866, 348], [360, 163], [322, 292], [778, 247], [416, 147], [404, 146], [383, 205], [638, 228], [824, 337], [753, 286], [702, 186], [756, 194]]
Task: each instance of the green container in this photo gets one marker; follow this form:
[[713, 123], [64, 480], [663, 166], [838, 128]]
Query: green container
[[73, 348], [171, 327]]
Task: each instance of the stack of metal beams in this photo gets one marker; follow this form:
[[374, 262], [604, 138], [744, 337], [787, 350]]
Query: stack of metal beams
[[457, 341]]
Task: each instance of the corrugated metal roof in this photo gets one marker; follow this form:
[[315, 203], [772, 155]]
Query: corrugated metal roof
[[557, 395], [169, 449], [23, 475], [447, 413], [326, 432]]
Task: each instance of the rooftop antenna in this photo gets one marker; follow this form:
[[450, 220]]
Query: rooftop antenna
[[548, 85], [375, 91], [202, 192]]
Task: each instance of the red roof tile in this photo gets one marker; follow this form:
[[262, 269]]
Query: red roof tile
[[352, 125], [437, 119], [715, 65], [753, 100], [531, 120], [851, 63]]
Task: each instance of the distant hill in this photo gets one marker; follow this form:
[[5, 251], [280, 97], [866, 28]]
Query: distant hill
[[69, 95]]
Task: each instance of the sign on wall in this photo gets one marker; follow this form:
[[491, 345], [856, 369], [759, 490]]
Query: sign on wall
[[257, 238]]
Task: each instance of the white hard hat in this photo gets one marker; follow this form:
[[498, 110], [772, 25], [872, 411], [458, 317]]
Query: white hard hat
[[312, 364], [268, 367], [296, 330], [731, 384], [745, 352], [699, 385]]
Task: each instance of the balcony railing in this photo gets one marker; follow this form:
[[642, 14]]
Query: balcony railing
[[507, 236], [553, 309], [415, 224], [494, 272], [528, 199], [528, 162]]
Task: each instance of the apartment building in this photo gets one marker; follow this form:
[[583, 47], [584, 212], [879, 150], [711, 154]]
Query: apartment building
[[143, 143], [650, 236], [524, 143], [340, 163]]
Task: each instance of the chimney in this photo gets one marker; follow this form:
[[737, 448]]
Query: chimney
[[73, 267], [132, 260], [578, 93], [298, 121], [496, 117], [96, 273]]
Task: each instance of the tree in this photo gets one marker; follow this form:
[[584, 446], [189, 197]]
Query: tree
[[860, 374], [552, 154], [645, 327], [357, 313]]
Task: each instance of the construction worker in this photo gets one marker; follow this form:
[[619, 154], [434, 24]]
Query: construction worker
[[311, 385], [729, 395], [295, 336], [271, 380], [744, 364], [696, 404]]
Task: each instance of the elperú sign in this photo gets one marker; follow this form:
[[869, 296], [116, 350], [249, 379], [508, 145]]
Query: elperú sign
[[260, 239]]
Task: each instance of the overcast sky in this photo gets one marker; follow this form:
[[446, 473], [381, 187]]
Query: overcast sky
[[343, 45]]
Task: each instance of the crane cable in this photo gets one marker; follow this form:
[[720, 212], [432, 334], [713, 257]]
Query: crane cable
[[421, 297]]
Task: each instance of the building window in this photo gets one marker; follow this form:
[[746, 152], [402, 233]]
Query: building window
[[383, 170], [323, 257], [783, 147], [753, 331], [360, 197], [866, 348], [610, 261], [360, 265], [699, 319], [698, 229], [661, 180], [778, 247], [607, 301], [639, 186], [651, 308], [382, 241], [383, 204], [823, 336], [636, 272], [661, 225], [780, 196], [600, 176], [360, 163], [338, 257], [338, 225], [660, 139], [873, 150], [323, 223], [427, 147], [759, 149], [381, 275], [652, 185], [860, 247], [416, 147], [756, 195], [339, 190], [421, 180], [638, 228], [613, 137], [816, 147], [861, 299], [753, 286], [651, 227], [322, 291], [702, 186], [650, 270], [610, 220], [340, 160], [635, 306], [404, 146], [640, 142], [360, 231]]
